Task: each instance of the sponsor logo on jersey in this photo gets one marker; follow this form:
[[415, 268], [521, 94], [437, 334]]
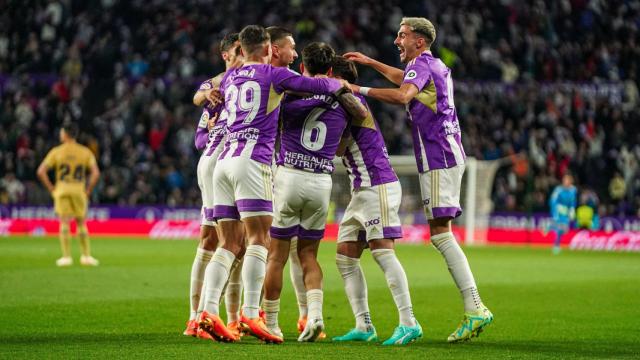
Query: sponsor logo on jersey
[[372, 222]]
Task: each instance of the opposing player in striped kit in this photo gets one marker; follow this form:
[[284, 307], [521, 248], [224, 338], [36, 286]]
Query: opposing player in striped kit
[[208, 138], [312, 126], [426, 89], [371, 220], [242, 177]]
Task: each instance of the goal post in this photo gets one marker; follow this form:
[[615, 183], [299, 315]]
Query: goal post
[[475, 197]]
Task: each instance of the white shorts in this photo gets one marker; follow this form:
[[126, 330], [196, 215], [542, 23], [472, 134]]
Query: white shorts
[[206, 165], [244, 188], [301, 204], [372, 214], [440, 190]]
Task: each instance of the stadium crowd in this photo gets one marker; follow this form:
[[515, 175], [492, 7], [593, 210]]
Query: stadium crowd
[[547, 86]]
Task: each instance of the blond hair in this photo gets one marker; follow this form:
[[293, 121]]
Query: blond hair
[[421, 26]]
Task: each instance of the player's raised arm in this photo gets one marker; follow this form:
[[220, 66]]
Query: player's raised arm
[[393, 74], [401, 95], [353, 106], [285, 79]]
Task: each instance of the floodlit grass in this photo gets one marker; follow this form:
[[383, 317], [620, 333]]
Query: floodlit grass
[[134, 305]]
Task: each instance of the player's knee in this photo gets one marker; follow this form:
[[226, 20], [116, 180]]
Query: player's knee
[[442, 241], [210, 240]]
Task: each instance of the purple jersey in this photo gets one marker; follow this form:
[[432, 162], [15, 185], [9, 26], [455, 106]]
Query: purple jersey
[[219, 130], [203, 136], [311, 131], [252, 96], [366, 158], [434, 121]]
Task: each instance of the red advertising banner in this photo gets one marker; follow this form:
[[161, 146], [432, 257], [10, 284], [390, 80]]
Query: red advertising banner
[[416, 234]]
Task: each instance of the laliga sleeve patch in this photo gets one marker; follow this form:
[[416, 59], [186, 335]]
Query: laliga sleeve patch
[[206, 85], [204, 119], [411, 75]]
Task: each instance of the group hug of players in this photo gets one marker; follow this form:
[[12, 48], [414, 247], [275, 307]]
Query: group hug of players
[[253, 221]]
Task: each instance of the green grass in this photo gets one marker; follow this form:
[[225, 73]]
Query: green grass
[[576, 305]]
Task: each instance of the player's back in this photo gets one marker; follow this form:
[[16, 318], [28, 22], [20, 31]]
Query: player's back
[[366, 158], [252, 96], [312, 127], [71, 162], [252, 105], [434, 120]]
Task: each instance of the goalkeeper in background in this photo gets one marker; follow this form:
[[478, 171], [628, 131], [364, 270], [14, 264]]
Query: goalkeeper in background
[[71, 162], [563, 209]]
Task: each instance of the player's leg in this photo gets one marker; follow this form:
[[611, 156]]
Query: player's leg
[[297, 280], [204, 252], [255, 191], [441, 196], [355, 286], [277, 259], [286, 223], [307, 252], [62, 207], [65, 241], [253, 275], [216, 276], [83, 235], [317, 193], [559, 228], [233, 296], [230, 232], [206, 246], [382, 227]]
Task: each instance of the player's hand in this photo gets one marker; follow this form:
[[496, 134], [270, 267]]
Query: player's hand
[[345, 85], [212, 122], [214, 97], [358, 57]]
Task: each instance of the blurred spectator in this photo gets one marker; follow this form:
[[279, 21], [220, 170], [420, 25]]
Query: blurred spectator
[[552, 85]]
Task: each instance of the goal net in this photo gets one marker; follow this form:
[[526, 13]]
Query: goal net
[[477, 184]]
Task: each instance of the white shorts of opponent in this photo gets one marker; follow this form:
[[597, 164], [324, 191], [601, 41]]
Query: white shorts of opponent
[[301, 203], [372, 214]]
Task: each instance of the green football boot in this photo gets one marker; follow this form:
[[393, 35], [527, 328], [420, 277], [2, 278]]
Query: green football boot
[[403, 335], [357, 335], [471, 325]]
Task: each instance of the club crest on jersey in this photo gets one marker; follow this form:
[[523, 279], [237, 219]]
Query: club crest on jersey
[[372, 222], [411, 75], [426, 202]]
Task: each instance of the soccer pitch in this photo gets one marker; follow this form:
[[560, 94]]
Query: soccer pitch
[[134, 305]]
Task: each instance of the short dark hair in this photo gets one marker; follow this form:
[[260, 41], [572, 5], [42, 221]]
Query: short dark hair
[[345, 69], [278, 33], [317, 57], [252, 38], [71, 129], [227, 41]]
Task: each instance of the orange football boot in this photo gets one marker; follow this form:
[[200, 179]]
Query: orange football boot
[[215, 327], [302, 323], [192, 328], [204, 335], [236, 328], [258, 329]]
